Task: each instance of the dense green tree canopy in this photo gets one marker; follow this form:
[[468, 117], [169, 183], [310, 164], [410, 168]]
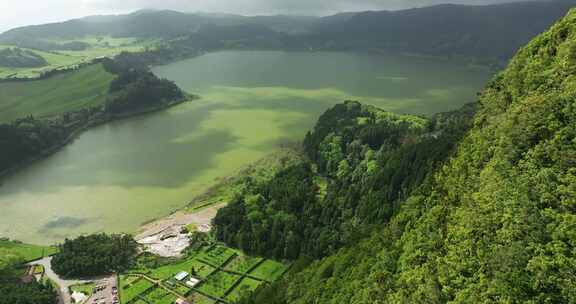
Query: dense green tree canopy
[[93, 255], [496, 223]]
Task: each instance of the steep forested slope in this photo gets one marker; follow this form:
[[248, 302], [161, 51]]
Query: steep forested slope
[[363, 160], [495, 223], [491, 31]]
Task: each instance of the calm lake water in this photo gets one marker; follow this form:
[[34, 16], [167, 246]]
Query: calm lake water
[[119, 175]]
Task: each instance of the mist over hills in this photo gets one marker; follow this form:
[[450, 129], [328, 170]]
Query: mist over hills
[[489, 31]]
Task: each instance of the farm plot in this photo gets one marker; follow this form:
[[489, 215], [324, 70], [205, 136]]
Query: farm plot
[[132, 287], [269, 270], [219, 283], [220, 274], [247, 285], [243, 264], [159, 295], [216, 256]]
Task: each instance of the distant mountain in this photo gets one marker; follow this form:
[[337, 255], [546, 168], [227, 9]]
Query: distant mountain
[[149, 23], [494, 31], [490, 32]]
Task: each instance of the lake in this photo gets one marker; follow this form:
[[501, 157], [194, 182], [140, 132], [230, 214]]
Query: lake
[[119, 175]]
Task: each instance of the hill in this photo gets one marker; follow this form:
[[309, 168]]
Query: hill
[[491, 218], [487, 33], [491, 31], [19, 58], [65, 92]]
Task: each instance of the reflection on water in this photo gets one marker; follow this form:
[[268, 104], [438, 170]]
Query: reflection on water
[[116, 176]]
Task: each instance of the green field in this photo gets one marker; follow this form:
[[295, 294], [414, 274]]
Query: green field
[[236, 275], [160, 296], [269, 270], [13, 251], [247, 285], [100, 46], [61, 93], [219, 283], [243, 263], [131, 287]]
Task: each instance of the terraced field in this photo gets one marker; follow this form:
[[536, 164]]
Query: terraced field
[[224, 276], [74, 90]]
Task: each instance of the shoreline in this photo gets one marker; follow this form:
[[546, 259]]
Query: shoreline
[[97, 120]]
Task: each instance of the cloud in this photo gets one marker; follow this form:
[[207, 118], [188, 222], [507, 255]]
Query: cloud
[[252, 7]]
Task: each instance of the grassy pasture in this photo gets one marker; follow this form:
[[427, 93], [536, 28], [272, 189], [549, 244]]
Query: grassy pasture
[[269, 270], [60, 93], [99, 46], [131, 287], [10, 251], [246, 285], [218, 283]]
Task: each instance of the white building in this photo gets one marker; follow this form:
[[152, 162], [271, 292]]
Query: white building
[[192, 282], [181, 276]]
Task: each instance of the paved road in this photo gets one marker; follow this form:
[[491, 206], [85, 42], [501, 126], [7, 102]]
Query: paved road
[[64, 291]]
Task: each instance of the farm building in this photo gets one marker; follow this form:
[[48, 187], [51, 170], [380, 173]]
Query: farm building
[[192, 282], [181, 276]]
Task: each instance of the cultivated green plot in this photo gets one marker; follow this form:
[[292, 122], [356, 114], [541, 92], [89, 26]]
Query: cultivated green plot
[[200, 299], [58, 94], [219, 283], [131, 287], [243, 264], [269, 270], [216, 256], [160, 296], [190, 265], [246, 286]]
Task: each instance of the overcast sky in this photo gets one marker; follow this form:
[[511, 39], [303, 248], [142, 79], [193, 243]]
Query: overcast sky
[[14, 13]]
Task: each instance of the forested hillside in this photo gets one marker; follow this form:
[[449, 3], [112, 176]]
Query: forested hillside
[[364, 161], [493, 222]]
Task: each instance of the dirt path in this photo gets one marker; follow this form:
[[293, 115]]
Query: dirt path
[[163, 237], [180, 218], [64, 285]]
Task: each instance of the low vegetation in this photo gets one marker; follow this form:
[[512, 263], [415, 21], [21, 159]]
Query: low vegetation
[[224, 274], [53, 96], [94, 255]]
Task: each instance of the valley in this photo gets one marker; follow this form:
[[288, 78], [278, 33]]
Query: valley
[[252, 102], [167, 157]]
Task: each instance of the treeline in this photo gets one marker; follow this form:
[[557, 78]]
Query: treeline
[[496, 223], [94, 255], [14, 291], [362, 163], [136, 87]]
